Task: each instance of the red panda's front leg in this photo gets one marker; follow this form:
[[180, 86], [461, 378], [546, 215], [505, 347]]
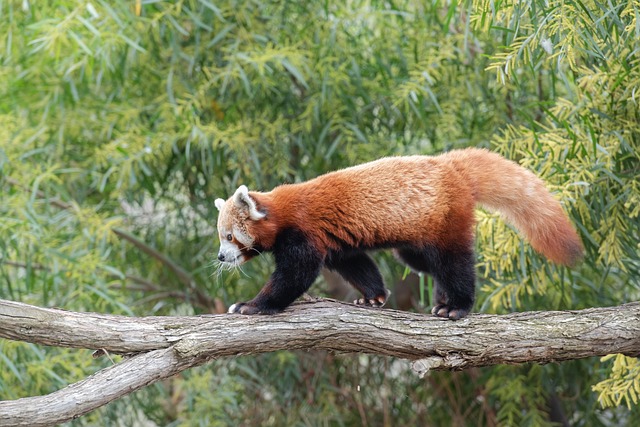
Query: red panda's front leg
[[298, 264]]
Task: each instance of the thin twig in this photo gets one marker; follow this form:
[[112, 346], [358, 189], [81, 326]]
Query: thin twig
[[54, 202]]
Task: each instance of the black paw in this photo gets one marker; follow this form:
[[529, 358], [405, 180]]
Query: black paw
[[378, 301], [243, 308], [250, 308], [443, 310]]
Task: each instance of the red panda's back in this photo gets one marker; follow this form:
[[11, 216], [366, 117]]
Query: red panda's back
[[413, 200]]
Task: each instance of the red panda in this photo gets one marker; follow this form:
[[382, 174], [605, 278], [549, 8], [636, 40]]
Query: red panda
[[421, 206]]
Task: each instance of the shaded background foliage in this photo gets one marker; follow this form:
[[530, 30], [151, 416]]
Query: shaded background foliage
[[121, 122]]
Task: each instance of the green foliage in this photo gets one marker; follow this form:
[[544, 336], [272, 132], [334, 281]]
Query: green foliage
[[135, 116], [624, 383], [521, 403]]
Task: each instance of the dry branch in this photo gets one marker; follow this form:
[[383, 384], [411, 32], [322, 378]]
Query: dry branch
[[165, 346]]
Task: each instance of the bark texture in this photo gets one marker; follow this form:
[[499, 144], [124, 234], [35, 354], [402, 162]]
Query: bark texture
[[160, 347]]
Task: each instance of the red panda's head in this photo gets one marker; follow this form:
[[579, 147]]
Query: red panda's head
[[237, 217]]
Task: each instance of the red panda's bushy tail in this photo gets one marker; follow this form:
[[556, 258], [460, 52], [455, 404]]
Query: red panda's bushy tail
[[522, 198]]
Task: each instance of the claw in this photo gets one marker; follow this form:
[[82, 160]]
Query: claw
[[378, 301], [447, 312]]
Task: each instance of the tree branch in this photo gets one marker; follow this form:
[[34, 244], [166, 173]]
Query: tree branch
[[165, 346], [96, 390]]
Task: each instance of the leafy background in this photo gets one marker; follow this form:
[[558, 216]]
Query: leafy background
[[121, 122]]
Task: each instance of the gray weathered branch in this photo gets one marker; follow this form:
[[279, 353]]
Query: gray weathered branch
[[164, 346]]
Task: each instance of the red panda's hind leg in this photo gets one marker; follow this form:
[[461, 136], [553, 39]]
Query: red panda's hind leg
[[453, 272], [357, 268]]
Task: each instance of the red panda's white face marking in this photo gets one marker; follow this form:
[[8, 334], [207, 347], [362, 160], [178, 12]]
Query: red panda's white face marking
[[235, 237]]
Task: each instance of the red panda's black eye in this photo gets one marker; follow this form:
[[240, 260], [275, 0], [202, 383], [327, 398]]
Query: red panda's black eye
[[229, 237]]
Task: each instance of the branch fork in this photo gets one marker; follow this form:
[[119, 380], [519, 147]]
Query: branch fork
[[165, 346]]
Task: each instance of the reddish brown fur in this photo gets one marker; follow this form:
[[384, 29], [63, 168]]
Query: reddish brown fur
[[417, 200]]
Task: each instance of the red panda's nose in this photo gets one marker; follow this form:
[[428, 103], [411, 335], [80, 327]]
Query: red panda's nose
[[221, 257]]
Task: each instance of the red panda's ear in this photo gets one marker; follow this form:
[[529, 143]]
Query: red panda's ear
[[219, 204], [243, 200]]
